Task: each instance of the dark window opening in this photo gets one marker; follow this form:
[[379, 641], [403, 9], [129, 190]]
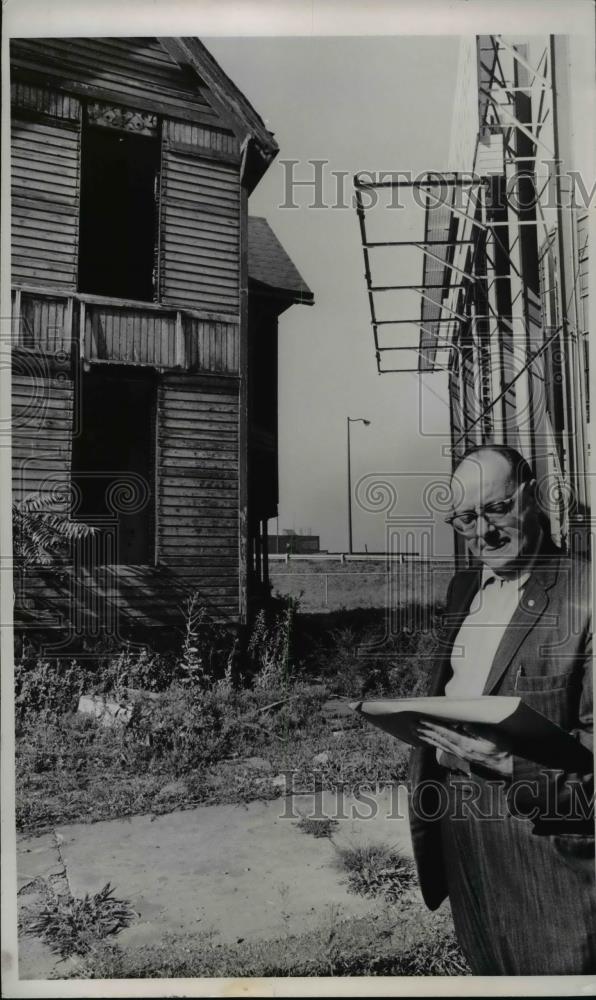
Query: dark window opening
[[113, 461], [118, 227]]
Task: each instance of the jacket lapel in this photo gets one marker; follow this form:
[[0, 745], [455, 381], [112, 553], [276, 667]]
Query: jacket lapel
[[533, 604]]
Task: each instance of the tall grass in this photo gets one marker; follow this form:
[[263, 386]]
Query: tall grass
[[193, 724]]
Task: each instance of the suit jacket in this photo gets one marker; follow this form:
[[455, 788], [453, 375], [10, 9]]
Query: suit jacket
[[544, 657]]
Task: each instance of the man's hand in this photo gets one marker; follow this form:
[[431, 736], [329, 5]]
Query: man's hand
[[466, 745]]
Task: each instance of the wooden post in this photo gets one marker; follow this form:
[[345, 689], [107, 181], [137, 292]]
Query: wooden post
[[265, 556], [82, 330], [180, 350], [243, 522], [68, 333], [16, 318]]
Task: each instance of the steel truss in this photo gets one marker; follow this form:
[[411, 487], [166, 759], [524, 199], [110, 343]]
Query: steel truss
[[496, 301]]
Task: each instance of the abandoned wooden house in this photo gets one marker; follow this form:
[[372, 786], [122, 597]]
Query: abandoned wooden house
[[145, 310]]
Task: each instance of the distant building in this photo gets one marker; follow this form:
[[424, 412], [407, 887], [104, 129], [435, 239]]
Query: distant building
[[293, 543]]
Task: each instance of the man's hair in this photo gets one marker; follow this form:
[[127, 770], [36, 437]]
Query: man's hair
[[521, 471]]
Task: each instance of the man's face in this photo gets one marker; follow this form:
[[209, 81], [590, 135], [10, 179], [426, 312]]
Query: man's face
[[498, 542]]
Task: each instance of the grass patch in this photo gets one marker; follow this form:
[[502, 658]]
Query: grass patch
[[183, 753], [193, 727], [411, 942], [73, 926], [376, 870], [317, 827]]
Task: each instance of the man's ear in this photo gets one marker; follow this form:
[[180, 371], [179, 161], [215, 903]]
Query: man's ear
[[532, 493]]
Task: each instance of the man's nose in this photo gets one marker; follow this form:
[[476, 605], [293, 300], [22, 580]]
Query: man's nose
[[483, 527]]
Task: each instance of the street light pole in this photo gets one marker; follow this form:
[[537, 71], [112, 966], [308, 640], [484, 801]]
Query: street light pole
[[351, 420]]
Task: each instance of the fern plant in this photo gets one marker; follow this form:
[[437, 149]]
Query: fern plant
[[43, 536]]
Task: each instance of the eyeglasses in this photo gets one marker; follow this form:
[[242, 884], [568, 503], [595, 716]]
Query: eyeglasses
[[464, 521]]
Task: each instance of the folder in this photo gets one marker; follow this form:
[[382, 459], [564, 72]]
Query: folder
[[509, 722]]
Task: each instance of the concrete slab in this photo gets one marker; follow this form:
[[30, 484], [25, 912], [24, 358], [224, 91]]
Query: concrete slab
[[240, 871], [37, 960], [37, 857]]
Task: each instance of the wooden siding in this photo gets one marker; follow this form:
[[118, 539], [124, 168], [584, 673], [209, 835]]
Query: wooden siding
[[133, 336], [45, 202], [43, 101], [134, 71], [188, 134], [42, 411], [123, 333], [197, 486], [200, 252], [212, 346], [42, 322]]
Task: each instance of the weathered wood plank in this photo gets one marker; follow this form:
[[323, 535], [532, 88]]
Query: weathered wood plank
[[195, 267], [42, 429], [45, 187], [198, 491]]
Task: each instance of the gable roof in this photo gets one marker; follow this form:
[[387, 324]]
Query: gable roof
[[225, 96], [270, 265]]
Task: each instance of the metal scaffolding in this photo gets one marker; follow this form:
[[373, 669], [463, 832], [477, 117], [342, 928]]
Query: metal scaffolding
[[496, 308]]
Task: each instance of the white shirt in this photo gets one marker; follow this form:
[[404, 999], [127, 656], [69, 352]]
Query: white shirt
[[481, 632], [477, 640]]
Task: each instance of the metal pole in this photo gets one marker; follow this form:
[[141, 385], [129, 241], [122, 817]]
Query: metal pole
[[349, 492], [352, 420]]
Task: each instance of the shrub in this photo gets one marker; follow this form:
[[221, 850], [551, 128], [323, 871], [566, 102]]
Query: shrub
[[48, 686], [185, 728], [269, 646], [71, 926], [132, 668], [357, 656], [42, 534], [377, 870], [318, 828]]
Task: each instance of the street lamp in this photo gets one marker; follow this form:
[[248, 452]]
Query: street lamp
[[352, 420]]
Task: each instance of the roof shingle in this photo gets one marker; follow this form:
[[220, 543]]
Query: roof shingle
[[269, 264]]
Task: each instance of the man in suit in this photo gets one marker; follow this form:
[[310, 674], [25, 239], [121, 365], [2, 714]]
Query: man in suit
[[511, 840]]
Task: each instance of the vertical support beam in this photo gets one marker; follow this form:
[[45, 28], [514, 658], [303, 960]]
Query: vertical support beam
[[180, 349], [497, 370], [461, 390], [519, 330], [477, 432], [157, 470], [576, 412], [16, 317], [265, 556], [255, 530], [82, 324], [243, 463], [68, 333], [528, 340]]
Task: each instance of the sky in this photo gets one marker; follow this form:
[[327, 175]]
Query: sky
[[360, 103]]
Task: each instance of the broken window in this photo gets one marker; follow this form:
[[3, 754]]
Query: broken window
[[119, 208], [113, 460]]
